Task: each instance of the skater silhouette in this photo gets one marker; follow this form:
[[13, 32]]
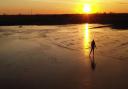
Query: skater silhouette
[[93, 46]]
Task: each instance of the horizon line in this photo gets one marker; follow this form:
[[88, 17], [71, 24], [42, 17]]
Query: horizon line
[[67, 13]]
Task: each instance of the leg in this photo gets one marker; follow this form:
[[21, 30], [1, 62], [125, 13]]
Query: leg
[[93, 52], [90, 51]]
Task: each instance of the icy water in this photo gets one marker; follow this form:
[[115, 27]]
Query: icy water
[[57, 57]]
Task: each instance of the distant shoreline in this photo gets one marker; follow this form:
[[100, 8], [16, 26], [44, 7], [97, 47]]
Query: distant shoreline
[[62, 19]]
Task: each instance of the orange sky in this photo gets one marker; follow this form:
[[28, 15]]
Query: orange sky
[[61, 6]]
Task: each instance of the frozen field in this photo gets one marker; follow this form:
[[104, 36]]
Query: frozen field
[[57, 57]]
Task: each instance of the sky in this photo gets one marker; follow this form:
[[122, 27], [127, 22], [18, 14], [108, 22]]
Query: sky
[[61, 6]]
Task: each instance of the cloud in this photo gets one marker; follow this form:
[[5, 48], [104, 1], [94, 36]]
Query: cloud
[[63, 1], [125, 3]]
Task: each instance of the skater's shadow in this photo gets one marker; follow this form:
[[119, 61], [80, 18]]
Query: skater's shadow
[[93, 64]]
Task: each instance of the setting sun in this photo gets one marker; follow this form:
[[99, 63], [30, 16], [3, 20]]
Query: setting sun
[[87, 8]]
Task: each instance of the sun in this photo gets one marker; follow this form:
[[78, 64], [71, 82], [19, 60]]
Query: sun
[[87, 8]]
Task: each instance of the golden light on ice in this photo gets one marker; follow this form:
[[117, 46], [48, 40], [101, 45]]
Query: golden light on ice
[[86, 39], [87, 8]]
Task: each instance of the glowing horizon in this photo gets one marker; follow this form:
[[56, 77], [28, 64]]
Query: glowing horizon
[[62, 7]]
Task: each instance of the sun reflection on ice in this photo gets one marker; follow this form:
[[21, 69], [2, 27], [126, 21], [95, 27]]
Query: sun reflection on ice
[[86, 39]]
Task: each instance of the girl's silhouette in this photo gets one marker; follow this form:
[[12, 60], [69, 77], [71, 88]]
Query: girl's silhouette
[[93, 45]]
